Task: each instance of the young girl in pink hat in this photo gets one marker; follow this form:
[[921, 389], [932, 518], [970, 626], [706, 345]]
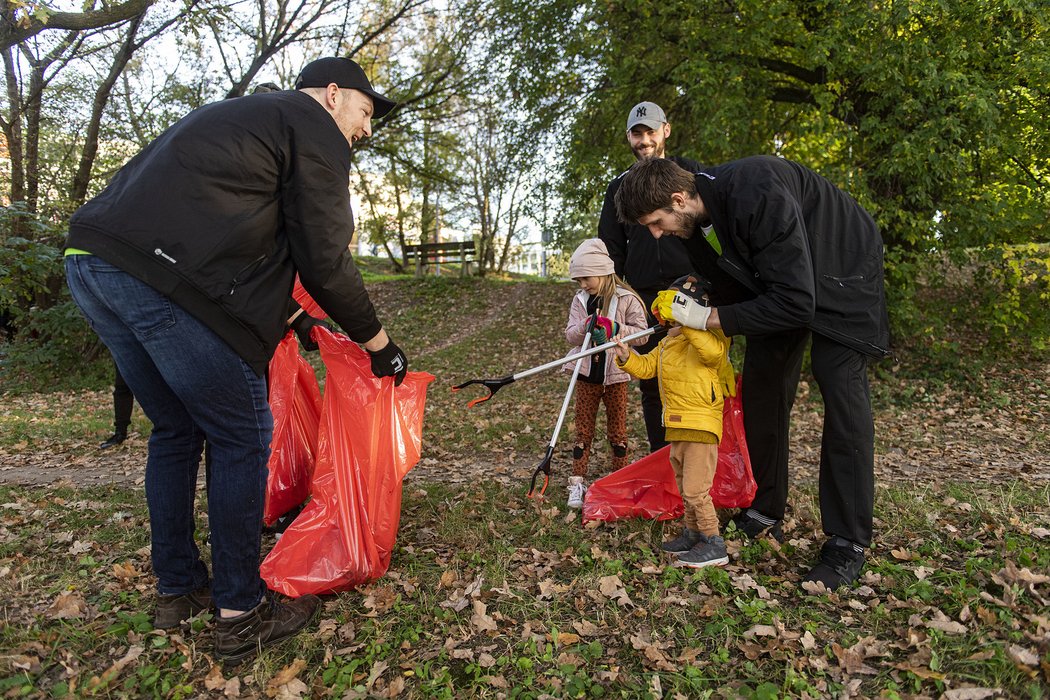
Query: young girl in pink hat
[[620, 311]]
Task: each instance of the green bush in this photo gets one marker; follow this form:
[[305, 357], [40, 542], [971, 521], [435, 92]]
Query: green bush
[[953, 312], [48, 342], [55, 348], [30, 262]]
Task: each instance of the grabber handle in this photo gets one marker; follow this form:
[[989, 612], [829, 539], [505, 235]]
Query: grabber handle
[[584, 353]]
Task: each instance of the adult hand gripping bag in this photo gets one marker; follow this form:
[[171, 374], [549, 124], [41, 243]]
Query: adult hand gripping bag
[[295, 401], [370, 437], [647, 489]]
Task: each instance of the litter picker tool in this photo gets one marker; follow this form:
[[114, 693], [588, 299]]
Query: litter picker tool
[[544, 466], [494, 385]]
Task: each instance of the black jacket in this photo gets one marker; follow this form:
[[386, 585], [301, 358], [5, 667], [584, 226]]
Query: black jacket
[[810, 255], [221, 210], [644, 262]]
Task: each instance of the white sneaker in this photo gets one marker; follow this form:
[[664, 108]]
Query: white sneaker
[[576, 492]]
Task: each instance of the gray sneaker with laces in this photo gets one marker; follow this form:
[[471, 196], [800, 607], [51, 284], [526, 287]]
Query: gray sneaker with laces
[[683, 543], [709, 551]]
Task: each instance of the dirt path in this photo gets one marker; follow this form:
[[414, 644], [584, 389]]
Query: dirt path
[[934, 444]]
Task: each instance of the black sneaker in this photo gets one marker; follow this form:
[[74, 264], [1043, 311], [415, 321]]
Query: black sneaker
[[173, 610], [114, 440], [237, 638], [753, 524], [683, 543], [840, 564]]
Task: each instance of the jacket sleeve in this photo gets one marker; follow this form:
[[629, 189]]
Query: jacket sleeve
[[577, 324], [640, 366], [611, 231], [319, 224], [774, 233], [709, 347], [631, 316]]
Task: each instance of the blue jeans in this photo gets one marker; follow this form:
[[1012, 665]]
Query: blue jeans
[[193, 387]]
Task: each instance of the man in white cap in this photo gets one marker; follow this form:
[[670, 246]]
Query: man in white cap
[[184, 265], [648, 264]]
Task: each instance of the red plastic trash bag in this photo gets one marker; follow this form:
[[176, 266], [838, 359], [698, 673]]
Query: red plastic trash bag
[[734, 485], [642, 489], [295, 401], [647, 488], [369, 439]]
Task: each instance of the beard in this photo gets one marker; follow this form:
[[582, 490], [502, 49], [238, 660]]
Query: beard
[[685, 223], [657, 152]]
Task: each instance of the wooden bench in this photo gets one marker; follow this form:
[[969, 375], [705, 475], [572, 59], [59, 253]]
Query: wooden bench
[[461, 252]]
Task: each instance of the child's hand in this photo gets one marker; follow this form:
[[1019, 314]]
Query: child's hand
[[604, 329], [622, 351]]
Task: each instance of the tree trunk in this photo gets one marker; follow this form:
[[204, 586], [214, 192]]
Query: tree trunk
[[82, 178]]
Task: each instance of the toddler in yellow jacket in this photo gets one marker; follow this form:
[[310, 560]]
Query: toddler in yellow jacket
[[694, 373]]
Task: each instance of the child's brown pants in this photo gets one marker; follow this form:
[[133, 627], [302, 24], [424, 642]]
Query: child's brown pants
[[588, 398], [694, 469]]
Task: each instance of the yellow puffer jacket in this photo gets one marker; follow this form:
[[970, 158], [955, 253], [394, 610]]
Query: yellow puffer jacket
[[688, 366]]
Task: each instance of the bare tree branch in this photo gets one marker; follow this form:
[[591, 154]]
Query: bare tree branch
[[14, 30]]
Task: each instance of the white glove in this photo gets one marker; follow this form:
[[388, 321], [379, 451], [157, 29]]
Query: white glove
[[688, 313]]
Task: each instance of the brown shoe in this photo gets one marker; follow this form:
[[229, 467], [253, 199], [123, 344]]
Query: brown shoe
[[237, 638], [173, 610]]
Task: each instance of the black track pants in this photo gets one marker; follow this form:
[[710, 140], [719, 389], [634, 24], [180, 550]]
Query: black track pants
[[652, 406], [772, 365], [123, 402]]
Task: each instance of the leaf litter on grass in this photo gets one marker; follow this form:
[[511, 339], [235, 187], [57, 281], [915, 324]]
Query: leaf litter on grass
[[495, 595]]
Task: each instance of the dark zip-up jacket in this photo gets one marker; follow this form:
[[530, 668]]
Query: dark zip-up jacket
[[810, 255], [223, 208], [646, 263]]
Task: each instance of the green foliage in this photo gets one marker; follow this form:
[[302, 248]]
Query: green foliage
[[29, 260], [49, 340], [932, 115], [957, 311], [54, 347]]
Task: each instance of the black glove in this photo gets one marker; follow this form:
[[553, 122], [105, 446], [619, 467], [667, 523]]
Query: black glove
[[390, 362], [302, 325]]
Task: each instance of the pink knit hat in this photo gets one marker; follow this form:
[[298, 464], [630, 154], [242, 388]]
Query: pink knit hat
[[591, 259]]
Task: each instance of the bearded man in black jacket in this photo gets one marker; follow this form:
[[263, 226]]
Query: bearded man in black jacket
[[794, 258], [184, 266], [646, 263]]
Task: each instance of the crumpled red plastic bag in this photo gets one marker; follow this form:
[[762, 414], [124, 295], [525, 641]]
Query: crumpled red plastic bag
[[370, 438], [647, 488], [295, 401], [643, 489], [734, 485]]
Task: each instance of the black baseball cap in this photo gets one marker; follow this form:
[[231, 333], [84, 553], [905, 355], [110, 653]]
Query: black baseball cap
[[346, 74]]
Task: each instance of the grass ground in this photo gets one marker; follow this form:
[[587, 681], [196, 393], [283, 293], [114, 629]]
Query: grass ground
[[491, 594]]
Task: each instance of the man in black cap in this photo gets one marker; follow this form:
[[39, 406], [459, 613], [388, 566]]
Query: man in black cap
[[184, 265], [648, 264]]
